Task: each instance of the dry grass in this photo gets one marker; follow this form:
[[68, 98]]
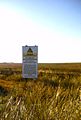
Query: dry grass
[[55, 95]]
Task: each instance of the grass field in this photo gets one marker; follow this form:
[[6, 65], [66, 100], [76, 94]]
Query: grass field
[[54, 95]]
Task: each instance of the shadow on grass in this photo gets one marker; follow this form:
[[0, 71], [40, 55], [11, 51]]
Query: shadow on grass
[[26, 79], [3, 91], [50, 83], [64, 83]]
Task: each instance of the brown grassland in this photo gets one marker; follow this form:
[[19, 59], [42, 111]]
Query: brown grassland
[[54, 95]]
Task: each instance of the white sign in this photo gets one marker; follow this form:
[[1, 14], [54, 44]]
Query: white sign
[[30, 61]]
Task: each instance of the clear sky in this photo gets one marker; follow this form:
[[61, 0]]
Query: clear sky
[[53, 25]]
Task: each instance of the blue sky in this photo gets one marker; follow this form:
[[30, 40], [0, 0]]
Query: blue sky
[[53, 25]]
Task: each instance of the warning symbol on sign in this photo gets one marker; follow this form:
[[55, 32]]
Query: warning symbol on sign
[[29, 52]]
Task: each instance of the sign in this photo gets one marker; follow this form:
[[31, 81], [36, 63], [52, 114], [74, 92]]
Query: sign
[[30, 61]]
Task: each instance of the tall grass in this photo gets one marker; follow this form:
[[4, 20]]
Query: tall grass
[[55, 95]]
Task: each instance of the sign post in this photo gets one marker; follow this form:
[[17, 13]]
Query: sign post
[[30, 61]]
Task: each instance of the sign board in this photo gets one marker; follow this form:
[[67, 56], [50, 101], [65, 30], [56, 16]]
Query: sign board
[[30, 61]]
